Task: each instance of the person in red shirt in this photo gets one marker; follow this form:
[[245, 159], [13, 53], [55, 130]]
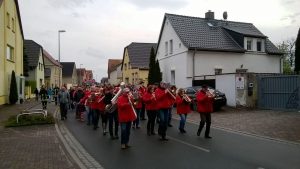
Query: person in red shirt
[[163, 105], [126, 116], [142, 90], [149, 99], [101, 108], [138, 108], [204, 107], [183, 108]]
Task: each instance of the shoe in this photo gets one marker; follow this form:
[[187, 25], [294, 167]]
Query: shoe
[[181, 131], [170, 125], [153, 133], [143, 119], [208, 137], [138, 127], [123, 146], [148, 133], [127, 146], [164, 139], [95, 128], [198, 132], [133, 127], [112, 138]]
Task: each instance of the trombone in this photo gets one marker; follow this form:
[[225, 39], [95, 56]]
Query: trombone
[[186, 98], [174, 97]]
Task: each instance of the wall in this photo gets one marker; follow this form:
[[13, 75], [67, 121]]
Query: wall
[[40, 73], [2, 55], [226, 84], [177, 60], [113, 78]]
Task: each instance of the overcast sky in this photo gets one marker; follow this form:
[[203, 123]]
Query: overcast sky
[[97, 30]]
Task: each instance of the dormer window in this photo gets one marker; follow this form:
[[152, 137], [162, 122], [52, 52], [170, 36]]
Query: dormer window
[[249, 44]]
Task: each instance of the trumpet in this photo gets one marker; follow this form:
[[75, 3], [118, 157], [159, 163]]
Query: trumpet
[[209, 94], [186, 98], [174, 97]]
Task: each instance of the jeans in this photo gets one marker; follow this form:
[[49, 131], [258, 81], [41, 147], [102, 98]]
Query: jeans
[[125, 132], [170, 115], [182, 121], [89, 116], [113, 118], [136, 122], [163, 123], [205, 118], [96, 115], [151, 120]]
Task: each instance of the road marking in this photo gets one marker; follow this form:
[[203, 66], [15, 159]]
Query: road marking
[[188, 144]]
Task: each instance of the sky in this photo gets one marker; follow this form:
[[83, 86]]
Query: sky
[[98, 30]]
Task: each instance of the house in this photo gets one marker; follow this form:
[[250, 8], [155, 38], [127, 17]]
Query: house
[[135, 63], [11, 49], [81, 74], [69, 74], [115, 76], [53, 71], [36, 64], [89, 75], [112, 70], [192, 50]]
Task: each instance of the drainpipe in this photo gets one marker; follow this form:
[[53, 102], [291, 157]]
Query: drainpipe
[[193, 78]]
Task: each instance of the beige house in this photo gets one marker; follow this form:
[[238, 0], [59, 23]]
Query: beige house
[[11, 49], [69, 74], [53, 71]]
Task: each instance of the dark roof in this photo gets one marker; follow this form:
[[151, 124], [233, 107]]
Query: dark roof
[[1, 2], [47, 72], [67, 70], [139, 54], [211, 34], [32, 50], [50, 58], [271, 48]]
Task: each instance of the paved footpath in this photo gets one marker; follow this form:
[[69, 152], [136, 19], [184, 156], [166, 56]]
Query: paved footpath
[[32, 147]]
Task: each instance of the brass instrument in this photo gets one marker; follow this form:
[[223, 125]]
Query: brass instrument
[[133, 109], [115, 98], [174, 97], [186, 98], [209, 94]]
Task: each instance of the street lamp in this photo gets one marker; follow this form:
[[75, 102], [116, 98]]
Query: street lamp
[[59, 31], [80, 79]]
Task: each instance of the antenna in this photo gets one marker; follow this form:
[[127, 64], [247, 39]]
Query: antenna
[[225, 15]]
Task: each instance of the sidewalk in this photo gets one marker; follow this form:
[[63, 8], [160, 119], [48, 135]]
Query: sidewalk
[[31, 147], [281, 125]]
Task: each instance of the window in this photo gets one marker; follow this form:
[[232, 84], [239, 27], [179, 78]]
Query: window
[[218, 71], [173, 77], [125, 66], [8, 20], [258, 44], [13, 24], [249, 44], [166, 48], [10, 53], [171, 46]]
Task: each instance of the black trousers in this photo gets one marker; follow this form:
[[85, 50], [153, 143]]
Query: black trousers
[[44, 104], [63, 110], [113, 121], [205, 118], [96, 116], [151, 120]]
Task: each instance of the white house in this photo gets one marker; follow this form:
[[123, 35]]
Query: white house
[[192, 50], [115, 76]]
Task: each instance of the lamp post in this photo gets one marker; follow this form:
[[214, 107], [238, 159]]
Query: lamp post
[[59, 31], [80, 79]]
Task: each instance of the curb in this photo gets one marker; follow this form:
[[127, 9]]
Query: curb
[[82, 158]]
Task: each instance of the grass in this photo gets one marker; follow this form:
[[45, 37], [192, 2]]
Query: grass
[[28, 120]]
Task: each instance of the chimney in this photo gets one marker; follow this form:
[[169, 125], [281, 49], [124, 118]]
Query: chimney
[[209, 15]]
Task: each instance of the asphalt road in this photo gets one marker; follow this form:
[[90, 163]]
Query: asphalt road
[[227, 150]]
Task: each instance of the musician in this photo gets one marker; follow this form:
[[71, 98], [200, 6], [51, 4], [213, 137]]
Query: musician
[[149, 99], [91, 105], [204, 107], [101, 109], [95, 97], [112, 116], [138, 108], [79, 94], [171, 104], [183, 108], [142, 90], [163, 96], [126, 116]]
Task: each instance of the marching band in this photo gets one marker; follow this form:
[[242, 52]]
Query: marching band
[[122, 106]]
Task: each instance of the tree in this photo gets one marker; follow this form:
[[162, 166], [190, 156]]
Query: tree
[[25, 64], [297, 53], [13, 92], [288, 56], [158, 75], [151, 73]]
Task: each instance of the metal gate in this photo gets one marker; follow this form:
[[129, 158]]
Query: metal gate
[[279, 92]]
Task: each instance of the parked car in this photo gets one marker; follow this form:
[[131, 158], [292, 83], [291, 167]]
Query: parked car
[[220, 98]]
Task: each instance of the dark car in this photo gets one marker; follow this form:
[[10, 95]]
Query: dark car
[[220, 98]]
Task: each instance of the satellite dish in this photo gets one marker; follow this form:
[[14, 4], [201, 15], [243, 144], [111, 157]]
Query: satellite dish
[[225, 15]]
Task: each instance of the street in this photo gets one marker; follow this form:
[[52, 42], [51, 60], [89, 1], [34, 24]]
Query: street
[[226, 150]]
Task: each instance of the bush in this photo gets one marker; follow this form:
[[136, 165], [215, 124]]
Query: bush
[[28, 120], [13, 92]]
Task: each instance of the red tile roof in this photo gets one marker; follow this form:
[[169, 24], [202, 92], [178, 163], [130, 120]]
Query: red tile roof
[[50, 58]]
